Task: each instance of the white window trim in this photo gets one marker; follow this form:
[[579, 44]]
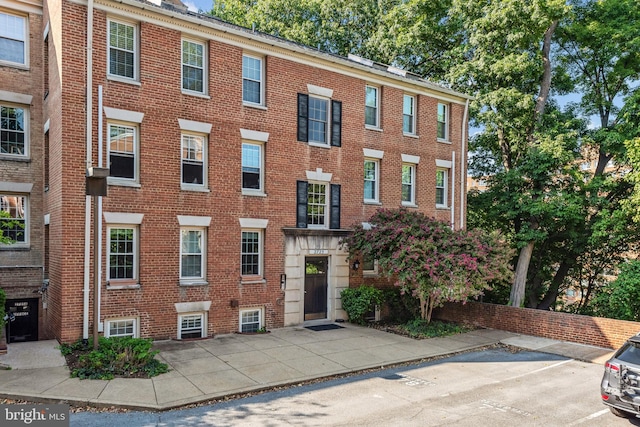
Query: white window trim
[[327, 133], [261, 190], [412, 202], [205, 161], [260, 311], [205, 71], [26, 52], [192, 280], [262, 102], [446, 122], [124, 283], [327, 205], [203, 329], [260, 232], [413, 116], [376, 199], [27, 214], [377, 107], [136, 326], [445, 187], [116, 180], [136, 52], [371, 273], [27, 126]]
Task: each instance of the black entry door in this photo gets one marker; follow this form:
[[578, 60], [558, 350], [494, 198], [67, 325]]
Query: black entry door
[[22, 324], [315, 288]]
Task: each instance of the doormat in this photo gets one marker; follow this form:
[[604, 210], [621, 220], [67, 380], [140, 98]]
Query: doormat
[[324, 327]]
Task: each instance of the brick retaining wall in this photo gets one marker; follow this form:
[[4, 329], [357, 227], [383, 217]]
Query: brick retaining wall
[[598, 331]]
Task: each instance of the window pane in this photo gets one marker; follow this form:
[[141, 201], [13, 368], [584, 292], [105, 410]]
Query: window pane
[[371, 106], [121, 253], [442, 121], [121, 49], [12, 38], [251, 79], [121, 328], [250, 252], [370, 180], [316, 204], [13, 222], [192, 159], [318, 120], [192, 66], [250, 321], [251, 166], [12, 131], [407, 183], [191, 253]]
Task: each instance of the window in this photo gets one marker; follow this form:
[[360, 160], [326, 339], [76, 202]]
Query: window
[[13, 39], [251, 320], [441, 187], [371, 185], [122, 264], [318, 205], [13, 218], [13, 135], [121, 328], [443, 121], [251, 253], [193, 160], [123, 50], [191, 326], [192, 254], [318, 125], [408, 114], [252, 78], [371, 107], [369, 267], [193, 66], [252, 161], [123, 147], [408, 184]]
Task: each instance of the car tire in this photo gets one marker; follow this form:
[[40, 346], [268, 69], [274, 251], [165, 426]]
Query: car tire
[[619, 412]]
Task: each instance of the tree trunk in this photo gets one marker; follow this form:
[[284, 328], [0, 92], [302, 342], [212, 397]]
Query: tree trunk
[[520, 281], [552, 293]]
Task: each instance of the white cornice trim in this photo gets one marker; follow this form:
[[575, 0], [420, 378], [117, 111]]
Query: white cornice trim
[[253, 223], [320, 91], [318, 175], [123, 218], [194, 221], [254, 135], [123, 115], [190, 125], [18, 98], [191, 307], [374, 154], [15, 187], [443, 163], [408, 158]]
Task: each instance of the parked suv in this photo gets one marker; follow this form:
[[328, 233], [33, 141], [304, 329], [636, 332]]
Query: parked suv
[[620, 388]]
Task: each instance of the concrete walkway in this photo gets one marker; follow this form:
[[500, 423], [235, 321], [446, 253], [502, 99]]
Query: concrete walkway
[[230, 364]]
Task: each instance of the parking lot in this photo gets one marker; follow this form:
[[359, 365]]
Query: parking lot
[[497, 387]]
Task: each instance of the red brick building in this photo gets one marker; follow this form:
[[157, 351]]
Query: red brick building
[[236, 162]]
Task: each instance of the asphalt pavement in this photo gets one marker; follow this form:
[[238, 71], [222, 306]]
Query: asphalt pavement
[[225, 365]]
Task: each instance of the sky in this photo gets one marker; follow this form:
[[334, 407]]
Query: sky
[[194, 5]]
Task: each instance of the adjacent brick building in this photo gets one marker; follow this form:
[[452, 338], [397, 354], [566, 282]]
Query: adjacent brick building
[[236, 162]]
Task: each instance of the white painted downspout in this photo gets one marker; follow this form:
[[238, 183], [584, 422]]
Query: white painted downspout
[[453, 190], [100, 165], [463, 178], [87, 215]]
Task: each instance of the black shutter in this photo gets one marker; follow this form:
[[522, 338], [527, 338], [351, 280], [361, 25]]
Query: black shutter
[[336, 123], [303, 117], [334, 221], [303, 191]]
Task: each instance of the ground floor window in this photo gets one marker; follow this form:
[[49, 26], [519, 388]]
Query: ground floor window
[[251, 320], [191, 326], [121, 328]]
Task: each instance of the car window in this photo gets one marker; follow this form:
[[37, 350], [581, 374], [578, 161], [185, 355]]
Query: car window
[[629, 353]]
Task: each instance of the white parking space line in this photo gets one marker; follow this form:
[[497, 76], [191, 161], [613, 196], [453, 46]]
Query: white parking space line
[[589, 417], [539, 370]]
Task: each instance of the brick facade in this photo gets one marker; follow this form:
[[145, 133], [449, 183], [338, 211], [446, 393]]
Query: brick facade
[[156, 205], [598, 331]]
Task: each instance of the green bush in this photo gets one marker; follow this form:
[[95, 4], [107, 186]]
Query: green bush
[[357, 302], [420, 328], [401, 306], [118, 356]]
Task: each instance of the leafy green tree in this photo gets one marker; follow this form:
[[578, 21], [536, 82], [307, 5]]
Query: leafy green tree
[[7, 223], [621, 298], [428, 259]]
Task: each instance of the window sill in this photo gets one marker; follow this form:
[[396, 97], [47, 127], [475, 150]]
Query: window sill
[[370, 274], [184, 282], [409, 205], [17, 65], [410, 135], [444, 141], [374, 128], [15, 158], [115, 285], [252, 280], [443, 207], [372, 202], [194, 188], [319, 145], [256, 106], [196, 94], [253, 193], [123, 183], [19, 247], [123, 80]]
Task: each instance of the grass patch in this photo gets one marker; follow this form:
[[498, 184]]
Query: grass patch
[[123, 357]]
